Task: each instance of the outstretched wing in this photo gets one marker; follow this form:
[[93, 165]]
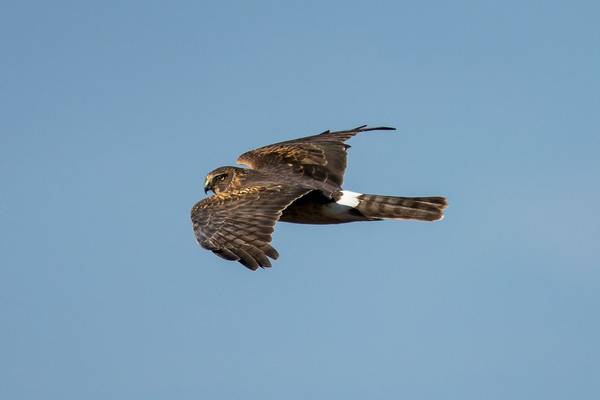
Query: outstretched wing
[[237, 225], [320, 158]]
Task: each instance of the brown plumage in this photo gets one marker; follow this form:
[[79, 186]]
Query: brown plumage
[[297, 181]]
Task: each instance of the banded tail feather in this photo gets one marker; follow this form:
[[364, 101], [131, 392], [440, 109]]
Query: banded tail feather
[[377, 207]]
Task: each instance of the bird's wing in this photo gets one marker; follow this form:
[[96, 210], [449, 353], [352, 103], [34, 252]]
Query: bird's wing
[[318, 160], [237, 225]]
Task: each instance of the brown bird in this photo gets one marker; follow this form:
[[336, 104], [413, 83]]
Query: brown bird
[[297, 181]]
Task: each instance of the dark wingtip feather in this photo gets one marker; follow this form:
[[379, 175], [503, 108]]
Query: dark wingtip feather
[[270, 251], [362, 128], [379, 128], [245, 258], [226, 254], [248, 265]]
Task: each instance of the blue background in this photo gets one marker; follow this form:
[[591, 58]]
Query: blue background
[[113, 112]]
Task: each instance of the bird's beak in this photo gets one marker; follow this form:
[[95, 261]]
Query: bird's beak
[[207, 186]]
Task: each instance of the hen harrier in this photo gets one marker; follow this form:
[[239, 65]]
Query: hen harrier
[[296, 181]]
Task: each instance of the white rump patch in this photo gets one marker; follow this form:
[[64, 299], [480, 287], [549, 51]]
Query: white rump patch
[[349, 199]]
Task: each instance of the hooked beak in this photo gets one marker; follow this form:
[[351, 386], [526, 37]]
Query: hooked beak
[[207, 186]]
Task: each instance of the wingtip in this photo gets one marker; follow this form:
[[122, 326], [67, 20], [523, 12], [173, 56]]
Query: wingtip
[[363, 128]]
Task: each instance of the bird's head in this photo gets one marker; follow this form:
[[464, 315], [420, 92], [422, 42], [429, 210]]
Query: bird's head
[[219, 179]]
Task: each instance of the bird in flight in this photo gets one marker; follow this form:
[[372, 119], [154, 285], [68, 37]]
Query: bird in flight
[[297, 181]]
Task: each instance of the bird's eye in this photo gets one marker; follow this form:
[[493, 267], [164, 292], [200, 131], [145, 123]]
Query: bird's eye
[[221, 177]]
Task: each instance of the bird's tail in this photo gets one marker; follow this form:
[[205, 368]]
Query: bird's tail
[[376, 207]]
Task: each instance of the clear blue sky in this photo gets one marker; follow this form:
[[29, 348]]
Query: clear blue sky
[[113, 112]]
